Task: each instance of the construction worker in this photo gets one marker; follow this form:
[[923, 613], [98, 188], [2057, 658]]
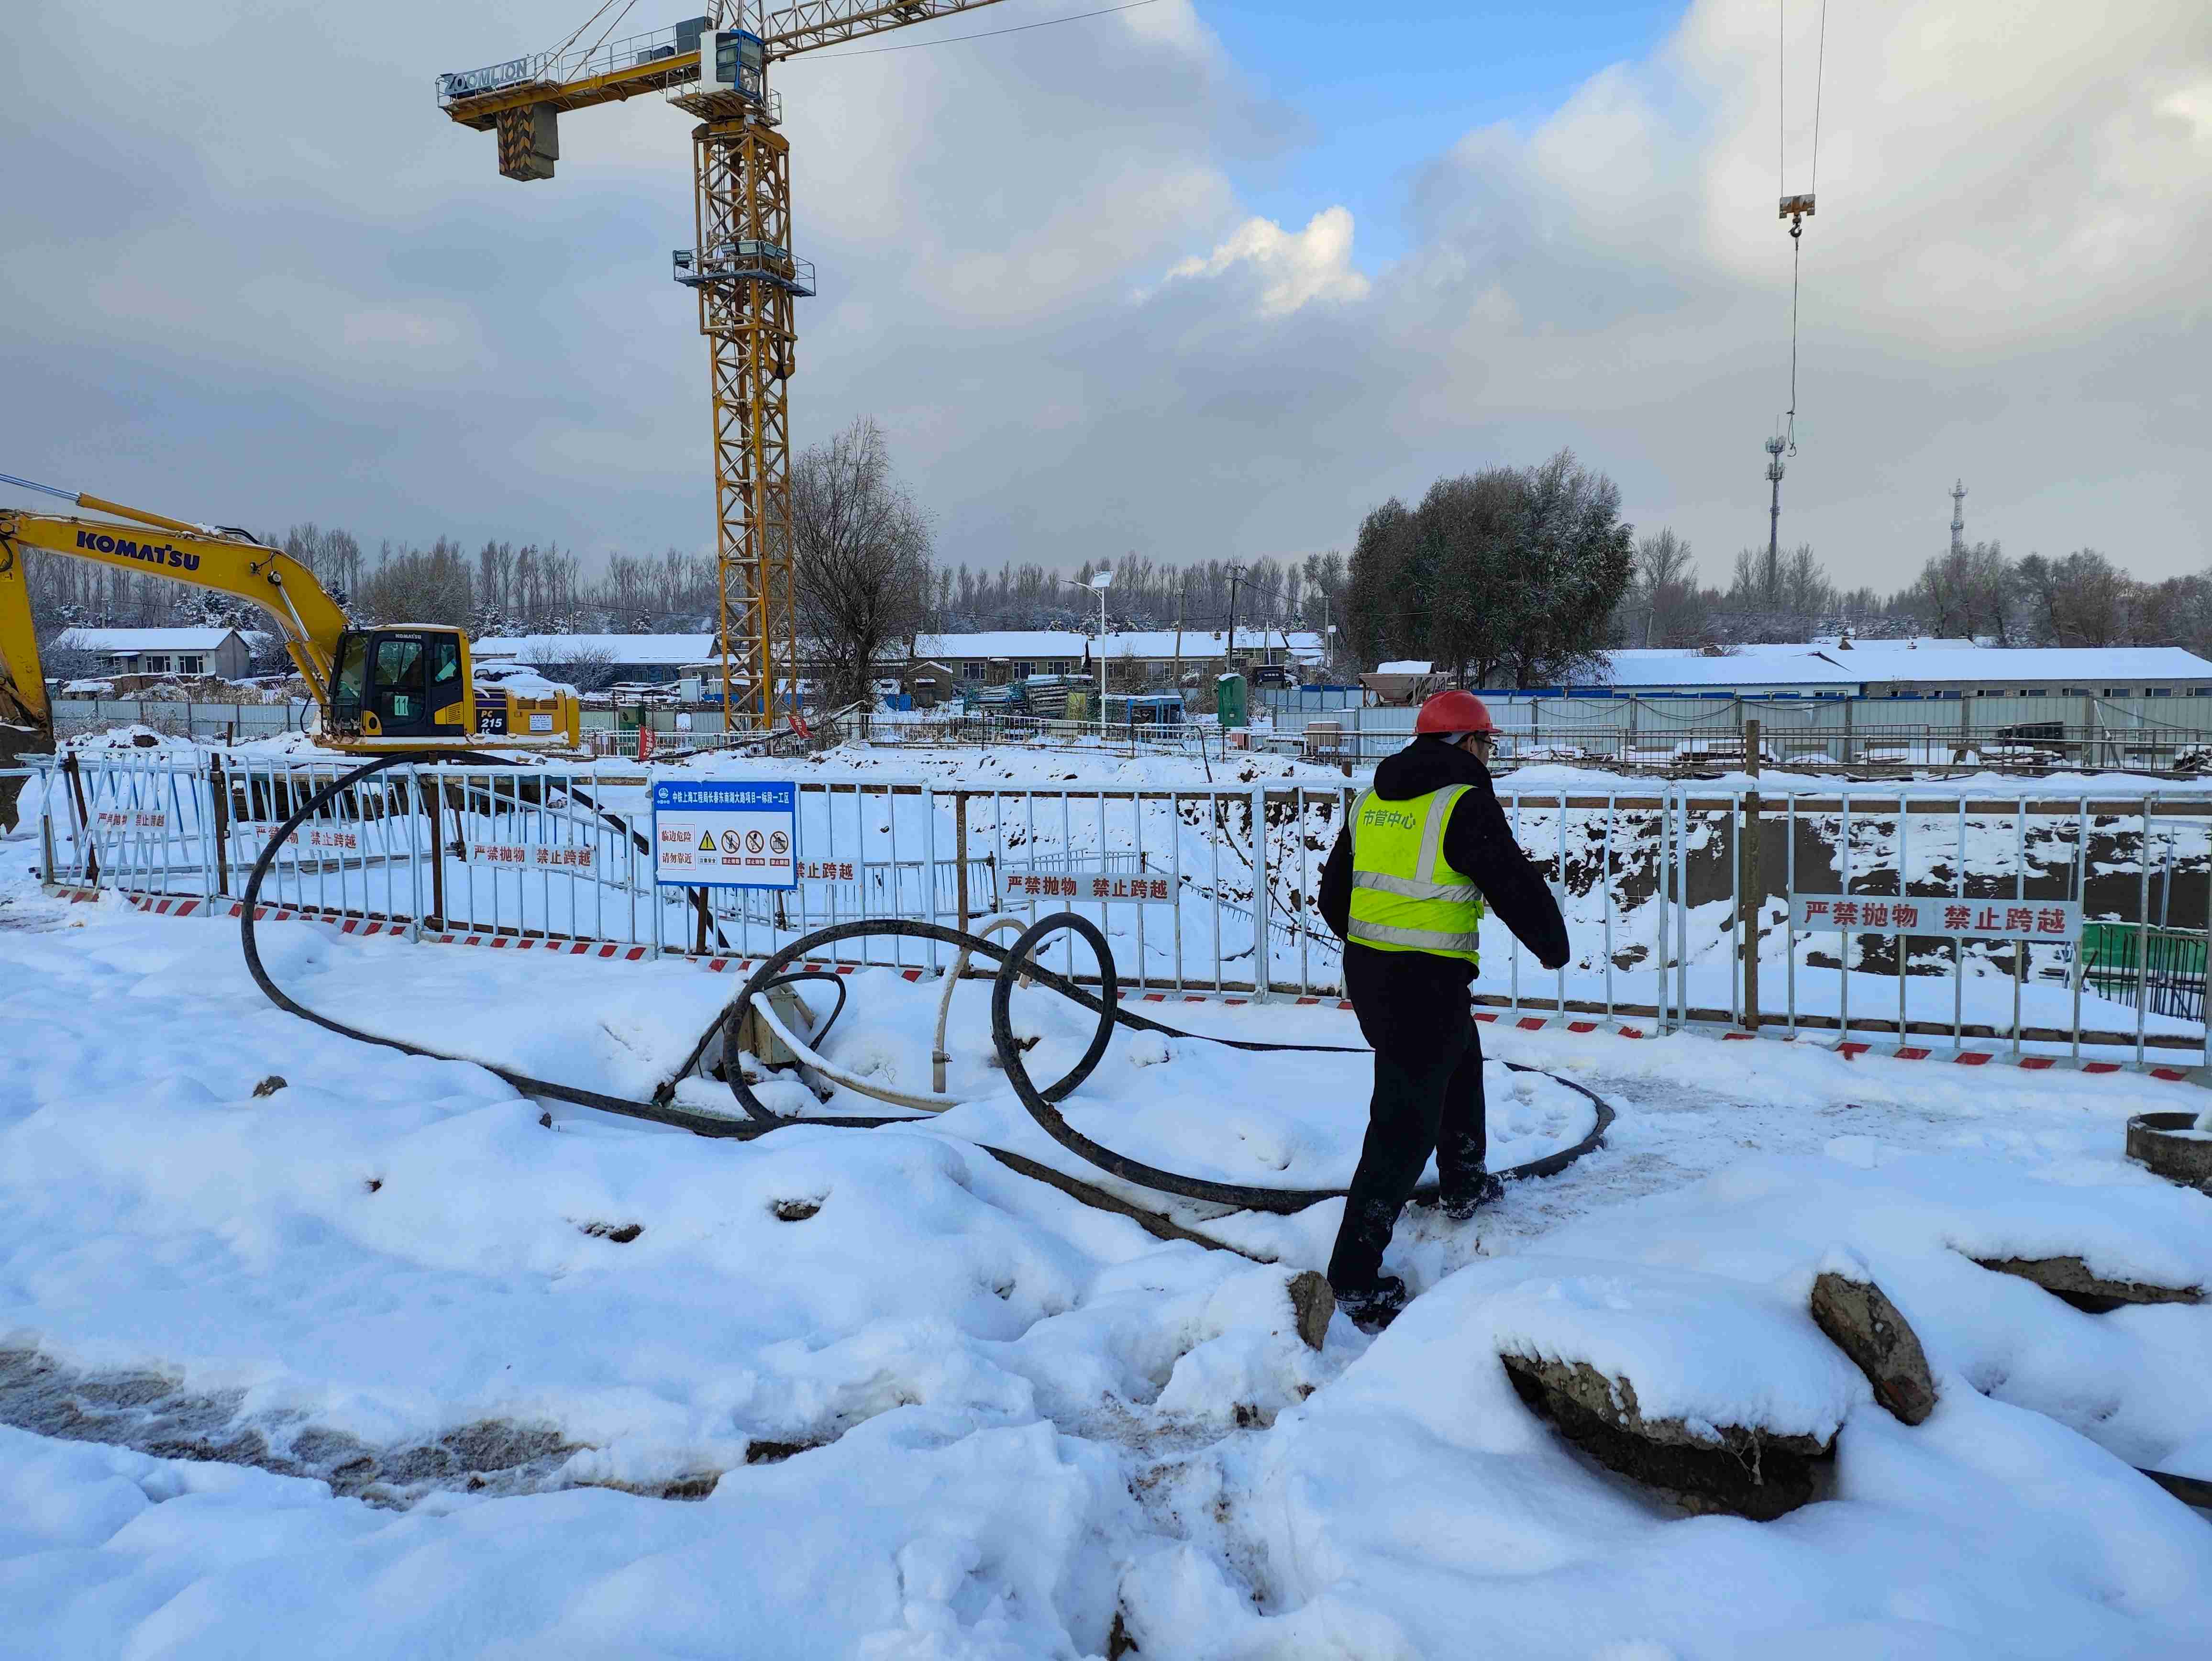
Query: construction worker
[[1405, 888]]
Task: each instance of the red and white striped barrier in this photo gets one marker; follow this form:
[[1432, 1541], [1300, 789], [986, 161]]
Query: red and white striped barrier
[[1504, 1020]]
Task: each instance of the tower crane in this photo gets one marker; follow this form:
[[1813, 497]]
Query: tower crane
[[740, 265]]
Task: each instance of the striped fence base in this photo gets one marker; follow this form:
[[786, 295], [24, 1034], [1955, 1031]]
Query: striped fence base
[[1503, 1020]]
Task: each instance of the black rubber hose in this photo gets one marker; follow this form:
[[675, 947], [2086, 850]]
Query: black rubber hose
[[1014, 965], [662, 1112]]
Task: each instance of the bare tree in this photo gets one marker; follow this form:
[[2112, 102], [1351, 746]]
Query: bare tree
[[421, 585], [586, 668], [860, 549], [2082, 599], [1971, 594], [1663, 605]]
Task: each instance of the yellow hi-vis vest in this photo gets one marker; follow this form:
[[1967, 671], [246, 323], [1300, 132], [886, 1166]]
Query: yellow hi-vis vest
[[1405, 898]]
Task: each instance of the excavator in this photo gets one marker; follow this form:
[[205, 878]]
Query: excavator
[[398, 687]]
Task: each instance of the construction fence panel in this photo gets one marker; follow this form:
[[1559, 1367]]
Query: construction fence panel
[[1658, 732], [1215, 889]]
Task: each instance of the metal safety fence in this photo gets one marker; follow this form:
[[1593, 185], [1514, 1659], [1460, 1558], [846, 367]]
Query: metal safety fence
[[1900, 736], [1683, 901]]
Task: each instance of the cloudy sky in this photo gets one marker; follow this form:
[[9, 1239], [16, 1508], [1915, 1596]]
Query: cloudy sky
[[1189, 279]]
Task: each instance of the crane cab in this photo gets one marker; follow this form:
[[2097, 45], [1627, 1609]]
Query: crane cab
[[407, 683]]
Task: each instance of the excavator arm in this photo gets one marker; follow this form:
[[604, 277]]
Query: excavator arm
[[308, 620]]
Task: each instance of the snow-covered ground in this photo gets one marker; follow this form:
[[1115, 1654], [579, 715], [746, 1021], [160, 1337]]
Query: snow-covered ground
[[381, 1363]]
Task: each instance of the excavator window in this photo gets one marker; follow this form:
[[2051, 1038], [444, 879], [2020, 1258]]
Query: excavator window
[[446, 688], [350, 683], [401, 706]]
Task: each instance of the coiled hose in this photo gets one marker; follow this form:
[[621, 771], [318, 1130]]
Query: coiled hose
[[1015, 965]]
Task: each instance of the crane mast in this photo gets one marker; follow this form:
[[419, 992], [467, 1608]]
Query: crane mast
[[740, 266]]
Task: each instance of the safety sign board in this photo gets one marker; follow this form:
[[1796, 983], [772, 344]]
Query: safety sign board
[[539, 857], [1952, 919], [725, 833], [1025, 884]]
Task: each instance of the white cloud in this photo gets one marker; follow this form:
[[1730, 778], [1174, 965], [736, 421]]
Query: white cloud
[[1290, 269], [249, 304]]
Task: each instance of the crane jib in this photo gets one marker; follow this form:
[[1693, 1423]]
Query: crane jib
[[151, 553]]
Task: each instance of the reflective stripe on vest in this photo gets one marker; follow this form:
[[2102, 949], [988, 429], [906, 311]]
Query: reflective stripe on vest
[[1405, 895]]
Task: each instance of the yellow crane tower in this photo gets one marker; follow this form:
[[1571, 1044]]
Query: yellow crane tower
[[740, 265]]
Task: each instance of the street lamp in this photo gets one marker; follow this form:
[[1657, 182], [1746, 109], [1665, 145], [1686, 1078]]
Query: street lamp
[[1101, 583]]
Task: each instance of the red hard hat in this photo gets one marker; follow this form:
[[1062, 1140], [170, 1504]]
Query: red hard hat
[[1453, 712]]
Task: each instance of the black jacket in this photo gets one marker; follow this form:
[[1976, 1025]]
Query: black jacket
[[1477, 841]]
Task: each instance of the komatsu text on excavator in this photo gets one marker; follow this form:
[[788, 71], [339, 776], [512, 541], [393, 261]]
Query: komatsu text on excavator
[[398, 687]]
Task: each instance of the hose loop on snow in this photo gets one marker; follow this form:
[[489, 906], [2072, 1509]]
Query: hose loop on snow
[[1017, 964]]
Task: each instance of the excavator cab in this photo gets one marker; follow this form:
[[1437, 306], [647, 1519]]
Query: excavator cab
[[408, 682]]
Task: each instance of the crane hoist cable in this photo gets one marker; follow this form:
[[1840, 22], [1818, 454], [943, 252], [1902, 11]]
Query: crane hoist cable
[[1797, 208], [1016, 963]]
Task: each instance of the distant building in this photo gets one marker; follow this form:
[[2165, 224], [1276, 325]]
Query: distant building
[[1402, 680], [1145, 656], [997, 656], [1161, 656], [654, 657], [226, 653], [1892, 669]]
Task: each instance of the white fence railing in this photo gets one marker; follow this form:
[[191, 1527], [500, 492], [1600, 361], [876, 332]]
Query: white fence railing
[[2093, 734], [1215, 888]]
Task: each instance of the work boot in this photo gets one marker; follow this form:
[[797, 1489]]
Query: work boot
[[1467, 1195], [1373, 1308]]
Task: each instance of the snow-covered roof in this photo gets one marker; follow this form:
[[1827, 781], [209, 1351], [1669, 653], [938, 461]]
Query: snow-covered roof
[[1907, 643], [144, 639], [614, 649], [1404, 667], [1773, 667], [1833, 669], [1004, 644], [2038, 665], [1208, 643]]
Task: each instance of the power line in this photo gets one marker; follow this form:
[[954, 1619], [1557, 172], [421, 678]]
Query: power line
[[981, 34]]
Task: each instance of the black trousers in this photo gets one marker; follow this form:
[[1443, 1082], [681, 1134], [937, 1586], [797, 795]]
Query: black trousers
[[1412, 1008]]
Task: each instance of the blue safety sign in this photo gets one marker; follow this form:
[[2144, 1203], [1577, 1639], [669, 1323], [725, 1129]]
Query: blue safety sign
[[725, 833]]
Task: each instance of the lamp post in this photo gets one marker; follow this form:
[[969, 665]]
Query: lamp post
[[1101, 583]]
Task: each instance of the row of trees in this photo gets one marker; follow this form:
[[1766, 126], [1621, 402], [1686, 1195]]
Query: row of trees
[[1505, 576], [1974, 592], [1293, 593]]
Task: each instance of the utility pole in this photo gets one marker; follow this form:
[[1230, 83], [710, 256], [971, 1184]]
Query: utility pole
[[1774, 447], [1182, 594], [1958, 517], [1228, 645]]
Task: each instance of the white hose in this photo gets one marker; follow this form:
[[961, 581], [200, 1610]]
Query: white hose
[[937, 1054], [935, 1100]]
